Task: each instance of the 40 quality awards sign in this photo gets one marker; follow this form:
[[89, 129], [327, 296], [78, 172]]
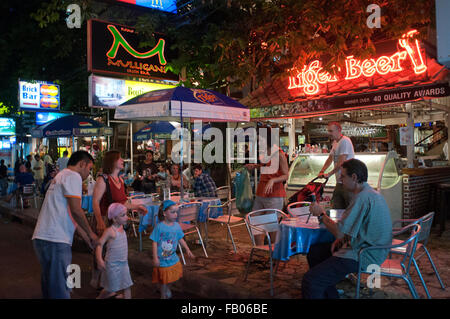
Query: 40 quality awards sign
[[114, 49]]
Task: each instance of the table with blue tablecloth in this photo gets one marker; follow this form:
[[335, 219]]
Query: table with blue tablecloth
[[296, 237]]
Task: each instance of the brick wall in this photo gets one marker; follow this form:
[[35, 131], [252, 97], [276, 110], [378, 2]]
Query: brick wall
[[417, 198]]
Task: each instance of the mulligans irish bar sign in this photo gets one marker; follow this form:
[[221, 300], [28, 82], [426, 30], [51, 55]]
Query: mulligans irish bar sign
[[114, 49]]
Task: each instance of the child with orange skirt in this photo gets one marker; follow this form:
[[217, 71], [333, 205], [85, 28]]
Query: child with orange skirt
[[166, 265]]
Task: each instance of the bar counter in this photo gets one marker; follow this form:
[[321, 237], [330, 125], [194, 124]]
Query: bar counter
[[418, 197]]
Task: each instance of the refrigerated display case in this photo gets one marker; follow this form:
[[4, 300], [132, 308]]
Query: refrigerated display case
[[383, 175]]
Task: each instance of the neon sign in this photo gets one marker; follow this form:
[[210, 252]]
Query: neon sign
[[119, 40], [114, 49], [313, 75]]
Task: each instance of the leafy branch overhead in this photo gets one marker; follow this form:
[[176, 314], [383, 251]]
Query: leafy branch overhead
[[231, 43]]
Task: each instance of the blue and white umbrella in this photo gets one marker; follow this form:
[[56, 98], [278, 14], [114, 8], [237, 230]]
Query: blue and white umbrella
[[70, 126]]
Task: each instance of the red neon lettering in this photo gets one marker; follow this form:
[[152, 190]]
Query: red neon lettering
[[383, 65], [368, 67], [353, 68], [313, 75]]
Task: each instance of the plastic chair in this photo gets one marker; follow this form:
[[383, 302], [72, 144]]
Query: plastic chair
[[295, 211], [397, 268], [223, 193], [263, 222], [230, 220], [425, 223], [187, 218], [28, 192]]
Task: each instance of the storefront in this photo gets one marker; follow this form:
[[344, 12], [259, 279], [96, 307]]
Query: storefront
[[395, 101]]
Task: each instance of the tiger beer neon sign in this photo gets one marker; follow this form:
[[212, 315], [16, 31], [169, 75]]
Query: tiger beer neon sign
[[313, 75]]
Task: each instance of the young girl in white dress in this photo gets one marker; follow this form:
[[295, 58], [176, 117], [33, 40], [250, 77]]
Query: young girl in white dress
[[115, 266]]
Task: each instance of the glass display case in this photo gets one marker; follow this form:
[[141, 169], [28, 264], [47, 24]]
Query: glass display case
[[383, 175]]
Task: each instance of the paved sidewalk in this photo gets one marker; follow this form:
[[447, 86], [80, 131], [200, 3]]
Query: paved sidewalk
[[221, 275]]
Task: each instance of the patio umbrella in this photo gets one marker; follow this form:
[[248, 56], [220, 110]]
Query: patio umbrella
[[156, 130], [70, 126], [180, 102]]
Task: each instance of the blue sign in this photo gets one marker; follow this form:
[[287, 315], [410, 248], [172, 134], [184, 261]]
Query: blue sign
[[44, 117], [162, 5]]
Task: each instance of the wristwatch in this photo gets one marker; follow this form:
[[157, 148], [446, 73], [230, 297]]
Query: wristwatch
[[320, 217]]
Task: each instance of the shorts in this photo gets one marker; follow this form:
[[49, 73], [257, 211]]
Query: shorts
[[268, 202], [167, 275]]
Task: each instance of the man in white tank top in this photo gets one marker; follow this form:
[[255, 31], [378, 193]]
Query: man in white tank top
[[341, 151]]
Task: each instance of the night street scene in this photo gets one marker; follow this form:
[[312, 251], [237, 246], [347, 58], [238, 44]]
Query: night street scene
[[238, 157]]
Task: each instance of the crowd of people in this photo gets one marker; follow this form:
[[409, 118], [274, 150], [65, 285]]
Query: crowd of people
[[366, 221], [61, 215]]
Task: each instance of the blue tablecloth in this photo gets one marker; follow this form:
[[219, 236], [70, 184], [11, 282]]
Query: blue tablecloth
[[296, 237], [86, 203], [152, 215]]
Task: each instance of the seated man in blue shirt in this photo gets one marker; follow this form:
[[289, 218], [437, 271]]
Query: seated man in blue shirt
[[366, 222], [204, 185]]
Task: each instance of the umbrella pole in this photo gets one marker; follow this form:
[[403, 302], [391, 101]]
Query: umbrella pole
[[181, 161]]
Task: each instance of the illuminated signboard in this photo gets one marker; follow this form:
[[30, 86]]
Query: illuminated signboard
[[7, 126], [162, 5], [38, 96], [44, 117], [108, 92], [114, 49], [312, 79]]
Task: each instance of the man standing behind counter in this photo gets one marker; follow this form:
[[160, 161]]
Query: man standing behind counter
[[341, 151]]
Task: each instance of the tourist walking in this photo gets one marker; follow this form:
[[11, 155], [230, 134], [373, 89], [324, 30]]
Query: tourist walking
[[167, 234], [115, 265], [60, 215], [109, 188]]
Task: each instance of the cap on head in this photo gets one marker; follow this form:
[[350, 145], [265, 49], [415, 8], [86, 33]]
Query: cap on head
[[115, 209], [167, 203]]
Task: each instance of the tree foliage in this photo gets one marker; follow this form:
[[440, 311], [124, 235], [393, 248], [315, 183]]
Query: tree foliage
[[220, 43]]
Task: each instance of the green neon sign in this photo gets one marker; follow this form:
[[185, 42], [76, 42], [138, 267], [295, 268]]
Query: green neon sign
[[119, 40]]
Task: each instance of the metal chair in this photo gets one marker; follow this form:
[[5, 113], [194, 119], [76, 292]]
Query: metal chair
[[187, 218], [263, 222], [298, 209], [223, 193], [230, 220], [425, 223], [397, 268], [28, 192]]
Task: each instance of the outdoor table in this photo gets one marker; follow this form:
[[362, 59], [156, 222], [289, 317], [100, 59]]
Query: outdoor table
[[296, 236]]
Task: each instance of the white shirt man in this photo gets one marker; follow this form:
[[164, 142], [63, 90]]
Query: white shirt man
[[60, 215], [341, 151]]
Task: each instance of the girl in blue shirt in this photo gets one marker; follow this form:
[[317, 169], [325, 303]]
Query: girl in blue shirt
[[166, 235]]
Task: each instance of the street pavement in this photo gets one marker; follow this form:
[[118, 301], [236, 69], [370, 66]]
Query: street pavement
[[219, 277]]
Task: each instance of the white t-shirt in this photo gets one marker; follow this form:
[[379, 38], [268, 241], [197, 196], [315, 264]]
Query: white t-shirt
[[62, 162], [343, 147], [55, 222]]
